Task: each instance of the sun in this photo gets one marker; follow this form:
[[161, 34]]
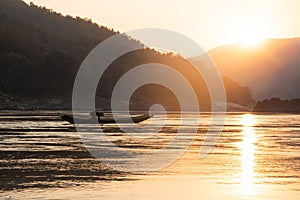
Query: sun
[[250, 41], [249, 37], [249, 31]]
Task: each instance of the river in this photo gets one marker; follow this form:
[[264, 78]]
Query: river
[[257, 156]]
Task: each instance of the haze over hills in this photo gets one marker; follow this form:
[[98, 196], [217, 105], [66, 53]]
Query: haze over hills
[[271, 69], [41, 52]]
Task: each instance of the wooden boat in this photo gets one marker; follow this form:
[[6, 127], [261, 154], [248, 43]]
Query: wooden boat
[[106, 120]]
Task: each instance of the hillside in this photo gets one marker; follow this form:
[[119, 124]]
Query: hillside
[[41, 51], [270, 70]]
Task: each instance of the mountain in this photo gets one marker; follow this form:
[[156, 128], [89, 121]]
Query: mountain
[[270, 70], [41, 52]]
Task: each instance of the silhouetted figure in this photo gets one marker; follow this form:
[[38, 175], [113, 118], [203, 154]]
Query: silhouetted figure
[[99, 114]]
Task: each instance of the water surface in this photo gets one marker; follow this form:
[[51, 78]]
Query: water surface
[[256, 157]]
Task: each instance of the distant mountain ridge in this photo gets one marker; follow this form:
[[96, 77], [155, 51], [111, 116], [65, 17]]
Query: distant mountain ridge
[[270, 70]]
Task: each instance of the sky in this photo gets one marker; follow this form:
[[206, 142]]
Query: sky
[[210, 23]]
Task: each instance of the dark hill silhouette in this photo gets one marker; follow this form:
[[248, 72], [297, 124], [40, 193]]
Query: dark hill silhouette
[[41, 51]]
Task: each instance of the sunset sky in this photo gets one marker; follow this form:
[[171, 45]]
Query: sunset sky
[[208, 22]]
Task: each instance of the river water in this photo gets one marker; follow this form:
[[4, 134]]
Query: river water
[[257, 156]]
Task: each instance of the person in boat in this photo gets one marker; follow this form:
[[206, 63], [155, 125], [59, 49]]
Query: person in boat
[[97, 114]]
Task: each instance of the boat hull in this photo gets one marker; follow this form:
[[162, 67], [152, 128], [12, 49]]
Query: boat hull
[[106, 120]]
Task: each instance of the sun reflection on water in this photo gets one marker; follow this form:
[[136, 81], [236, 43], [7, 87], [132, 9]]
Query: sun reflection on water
[[247, 147]]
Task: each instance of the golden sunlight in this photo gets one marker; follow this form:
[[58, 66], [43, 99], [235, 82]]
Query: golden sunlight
[[249, 37], [247, 147], [248, 120], [250, 31]]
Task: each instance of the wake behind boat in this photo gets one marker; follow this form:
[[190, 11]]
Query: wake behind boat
[[105, 119]]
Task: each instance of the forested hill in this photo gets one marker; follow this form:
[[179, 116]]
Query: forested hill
[[41, 51], [55, 24]]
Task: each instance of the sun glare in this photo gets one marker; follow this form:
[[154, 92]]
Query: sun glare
[[248, 120], [247, 147], [250, 42], [249, 36], [249, 31]]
